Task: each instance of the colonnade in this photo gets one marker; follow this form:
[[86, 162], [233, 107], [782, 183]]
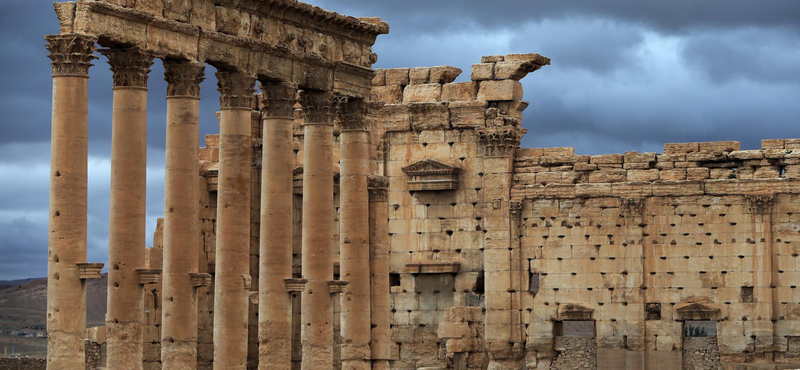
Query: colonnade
[[364, 247]]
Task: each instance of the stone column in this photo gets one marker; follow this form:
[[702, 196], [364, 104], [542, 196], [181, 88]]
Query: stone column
[[232, 279], [275, 267], [503, 331], [181, 215], [354, 238], [379, 272], [126, 237], [71, 56], [317, 259]]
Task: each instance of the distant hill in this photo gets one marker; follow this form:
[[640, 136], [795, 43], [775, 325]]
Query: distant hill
[[5, 284], [25, 305]]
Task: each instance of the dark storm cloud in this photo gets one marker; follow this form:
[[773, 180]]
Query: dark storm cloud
[[626, 75]]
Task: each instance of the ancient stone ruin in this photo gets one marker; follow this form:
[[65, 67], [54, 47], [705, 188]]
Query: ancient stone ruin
[[350, 218]]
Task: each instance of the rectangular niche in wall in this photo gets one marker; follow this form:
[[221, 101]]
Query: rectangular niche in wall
[[574, 328], [429, 174]]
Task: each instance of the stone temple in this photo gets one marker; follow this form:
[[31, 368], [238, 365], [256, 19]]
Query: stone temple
[[351, 218]]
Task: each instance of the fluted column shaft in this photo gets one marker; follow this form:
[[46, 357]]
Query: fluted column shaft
[[354, 239], [379, 272], [181, 215], [126, 237], [71, 57], [232, 276], [317, 244], [275, 304]]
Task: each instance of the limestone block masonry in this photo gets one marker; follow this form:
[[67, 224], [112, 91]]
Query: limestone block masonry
[[350, 218]]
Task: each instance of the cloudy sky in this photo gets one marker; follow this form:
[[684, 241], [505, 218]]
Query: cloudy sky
[[625, 75]]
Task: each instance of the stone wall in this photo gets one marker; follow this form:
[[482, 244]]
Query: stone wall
[[575, 353], [700, 354], [23, 363]]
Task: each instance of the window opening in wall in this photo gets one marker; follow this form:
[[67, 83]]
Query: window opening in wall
[[574, 328], [699, 328], [479, 284], [747, 294], [394, 279], [653, 311], [533, 287]]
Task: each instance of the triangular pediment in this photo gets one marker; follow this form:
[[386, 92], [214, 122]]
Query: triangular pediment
[[430, 167], [697, 311]]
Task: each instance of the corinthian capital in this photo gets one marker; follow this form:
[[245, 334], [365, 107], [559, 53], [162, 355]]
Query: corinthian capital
[[236, 89], [71, 54], [130, 66], [183, 78], [320, 108], [278, 99], [378, 187], [354, 116]]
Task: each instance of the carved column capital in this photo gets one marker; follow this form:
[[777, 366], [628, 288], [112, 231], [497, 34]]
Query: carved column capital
[[354, 117], [278, 99], [500, 141], [236, 89], [183, 78], [71, 54], [130, 66], [319, 108], [760, 204], [378, 187], [515, 208]]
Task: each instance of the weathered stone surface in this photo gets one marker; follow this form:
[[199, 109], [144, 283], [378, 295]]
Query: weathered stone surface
[[422, 93], [500, 90], [459, 91]]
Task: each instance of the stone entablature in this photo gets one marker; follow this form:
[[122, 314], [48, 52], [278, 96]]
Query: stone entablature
[[280, 40]]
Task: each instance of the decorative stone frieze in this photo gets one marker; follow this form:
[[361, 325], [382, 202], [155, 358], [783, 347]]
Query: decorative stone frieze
[[183, 78], [236, 89], [574, 311], [515, 208], [71, 54], [278, 99], [500, 141], [130, 66], [696, 311], [633, 206], [429, 174]]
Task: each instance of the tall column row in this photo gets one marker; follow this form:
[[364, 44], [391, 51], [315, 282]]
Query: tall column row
[[364, 247]]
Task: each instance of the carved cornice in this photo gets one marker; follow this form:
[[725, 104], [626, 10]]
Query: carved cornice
[[130, 66], [378, 187], [355, 116], [319, 108], [278, 99], [236, 89], [71, 54], [760, 204], [499, 141], [183, 78]]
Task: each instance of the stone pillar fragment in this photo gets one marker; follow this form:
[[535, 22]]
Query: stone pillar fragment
[[71, 56], [127, 223], [275, 267], [317, 242], [181, 216], [232, 279], [380, 297], [354, 238]]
